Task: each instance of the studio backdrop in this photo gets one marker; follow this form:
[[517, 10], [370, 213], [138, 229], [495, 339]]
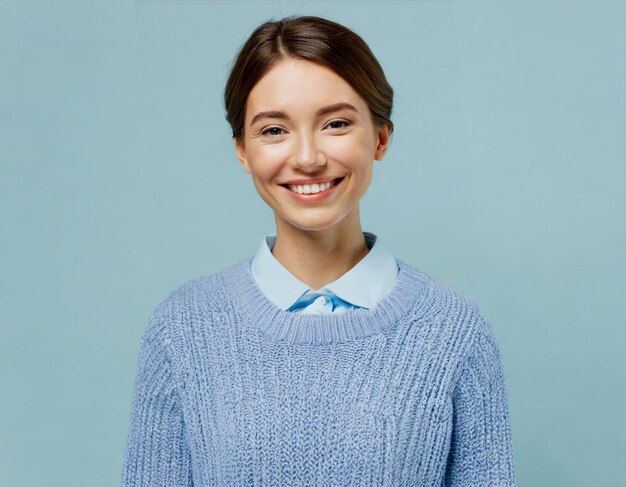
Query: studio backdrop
[[119, 181]]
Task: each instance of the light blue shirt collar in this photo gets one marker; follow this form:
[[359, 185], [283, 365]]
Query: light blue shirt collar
[[363, 285]]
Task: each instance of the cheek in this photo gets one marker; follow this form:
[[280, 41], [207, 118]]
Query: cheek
[[265, 162], [352, 151]]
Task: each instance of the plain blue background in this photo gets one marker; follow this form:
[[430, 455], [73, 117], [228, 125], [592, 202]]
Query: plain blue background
[[118, 182]]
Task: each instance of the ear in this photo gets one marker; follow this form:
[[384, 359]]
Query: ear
[[383, 135], [240, 149]]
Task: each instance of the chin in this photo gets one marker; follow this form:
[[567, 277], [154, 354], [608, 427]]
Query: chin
[[311, 224]]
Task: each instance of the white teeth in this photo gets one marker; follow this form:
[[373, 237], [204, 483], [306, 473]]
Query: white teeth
[[310, 188]]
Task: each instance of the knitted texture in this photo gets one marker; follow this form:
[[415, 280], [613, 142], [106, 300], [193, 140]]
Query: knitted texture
[[233, 390]]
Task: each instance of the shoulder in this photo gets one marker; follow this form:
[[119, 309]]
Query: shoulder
[[193, 303], [450, 311], [203, 294]]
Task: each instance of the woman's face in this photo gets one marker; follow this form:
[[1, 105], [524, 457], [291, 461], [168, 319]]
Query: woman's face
[[293, 133]]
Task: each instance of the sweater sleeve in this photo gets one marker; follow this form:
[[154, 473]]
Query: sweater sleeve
[[156, 451], [481, 451]]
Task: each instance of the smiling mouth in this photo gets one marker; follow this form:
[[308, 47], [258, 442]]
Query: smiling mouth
[[334, 182]]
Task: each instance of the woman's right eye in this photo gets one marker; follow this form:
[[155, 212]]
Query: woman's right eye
[[267, 131]]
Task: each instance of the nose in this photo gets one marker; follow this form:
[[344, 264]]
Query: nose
[[307, 153]]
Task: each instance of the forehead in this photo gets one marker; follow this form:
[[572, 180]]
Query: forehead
[[299, 84]]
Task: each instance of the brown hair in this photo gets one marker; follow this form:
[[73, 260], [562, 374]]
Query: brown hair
[[315, 39]]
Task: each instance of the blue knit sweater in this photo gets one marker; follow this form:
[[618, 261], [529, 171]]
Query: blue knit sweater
[[231, 390]]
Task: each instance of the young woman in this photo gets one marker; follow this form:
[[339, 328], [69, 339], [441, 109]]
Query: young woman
[[322, 359]]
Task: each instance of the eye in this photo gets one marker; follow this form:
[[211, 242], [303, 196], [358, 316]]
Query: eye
[[344, 122], [273, 134]]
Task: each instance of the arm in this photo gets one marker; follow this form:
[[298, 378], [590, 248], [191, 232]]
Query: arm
[[156, 452], [481, 451]]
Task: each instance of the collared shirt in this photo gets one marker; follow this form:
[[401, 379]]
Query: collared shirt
[[364, 285]]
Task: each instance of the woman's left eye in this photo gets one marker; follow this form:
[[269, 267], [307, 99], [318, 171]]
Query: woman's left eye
[[345, 122]]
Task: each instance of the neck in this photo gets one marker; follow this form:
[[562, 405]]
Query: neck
[[319, 257]]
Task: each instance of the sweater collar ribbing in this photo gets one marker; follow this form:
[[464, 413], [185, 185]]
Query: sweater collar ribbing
[[409, 292]]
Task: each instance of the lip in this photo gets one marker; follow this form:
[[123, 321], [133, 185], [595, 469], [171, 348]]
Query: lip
[[315, 197], [301, 182]]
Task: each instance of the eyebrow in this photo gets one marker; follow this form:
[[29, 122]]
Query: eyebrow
[[322, 111]]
